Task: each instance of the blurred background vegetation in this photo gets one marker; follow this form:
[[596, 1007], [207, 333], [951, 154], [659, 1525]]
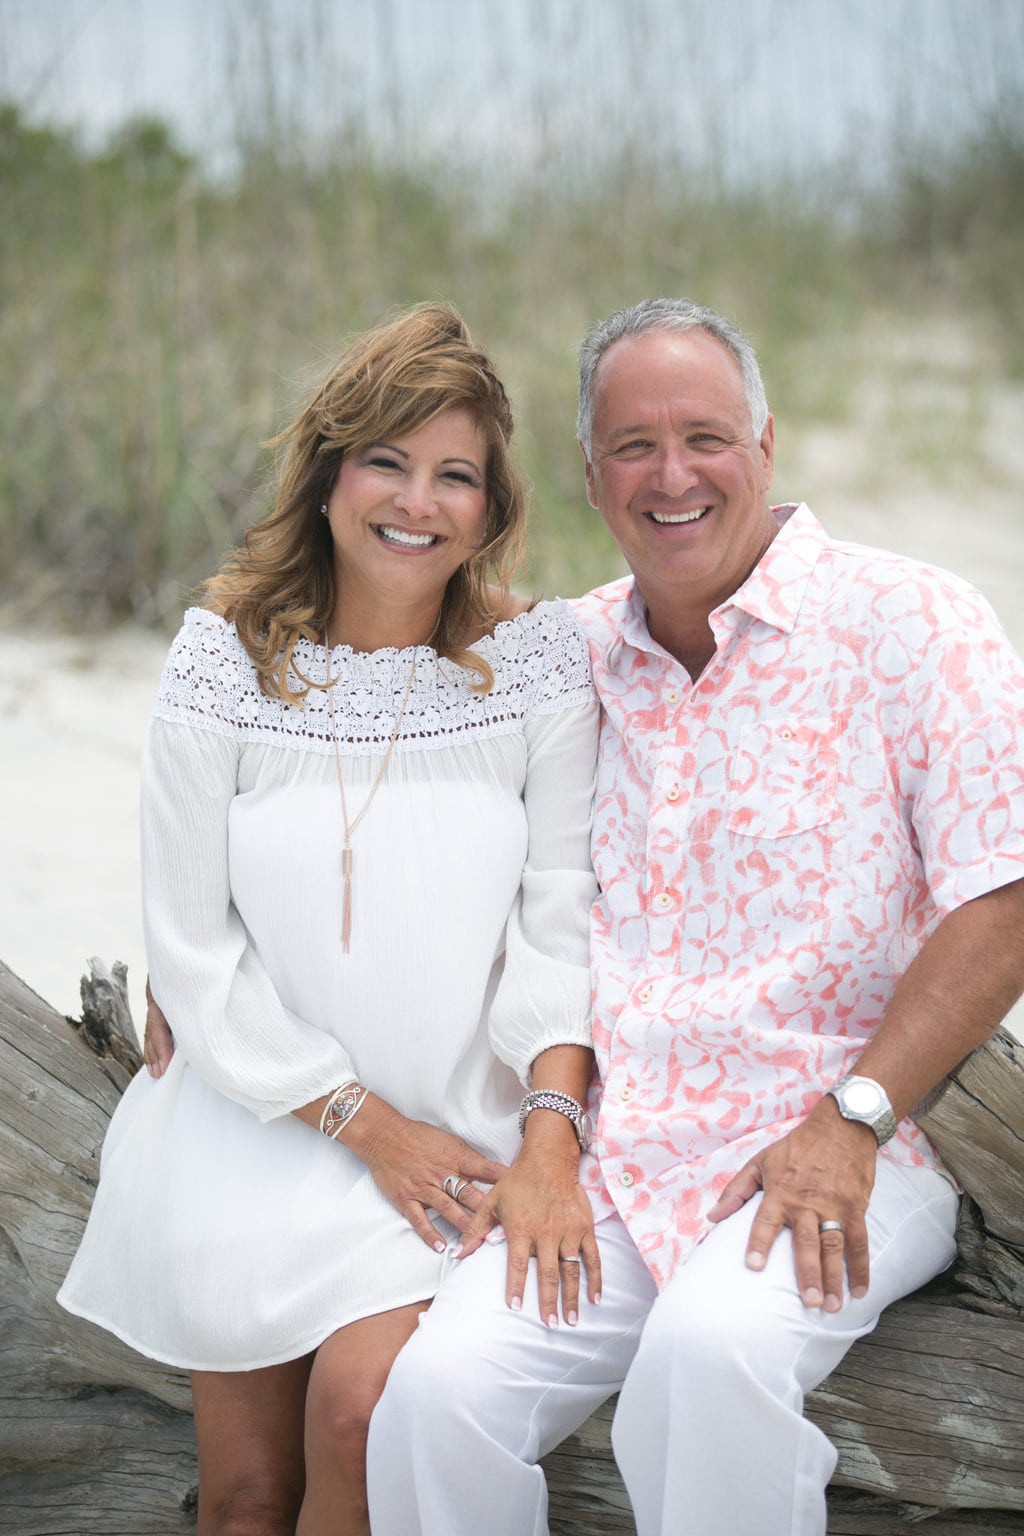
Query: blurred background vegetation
[[163, 302]]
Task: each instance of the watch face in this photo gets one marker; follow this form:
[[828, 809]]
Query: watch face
[[862, 1098]]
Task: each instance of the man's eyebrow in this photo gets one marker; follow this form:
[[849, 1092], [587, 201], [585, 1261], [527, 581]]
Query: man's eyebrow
[[698, 424], [618, 432]]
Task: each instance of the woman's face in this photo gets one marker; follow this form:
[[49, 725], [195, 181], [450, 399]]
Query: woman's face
[[406, 513]]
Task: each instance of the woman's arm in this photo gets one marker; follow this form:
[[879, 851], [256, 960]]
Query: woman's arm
[[540, 1020]]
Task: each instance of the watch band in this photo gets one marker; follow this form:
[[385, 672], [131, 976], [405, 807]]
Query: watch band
[[564, 1103], [879, 1118]]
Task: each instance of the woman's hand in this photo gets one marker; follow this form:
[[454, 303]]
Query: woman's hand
[[157, 1041], [545, 1215], [411, 1163]]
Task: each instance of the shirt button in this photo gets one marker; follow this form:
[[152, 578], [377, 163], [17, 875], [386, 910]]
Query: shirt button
[[672, 793], [644, 996], [786, 733], [673, 696], [626, 1179], [627, 1093], [663, 901]]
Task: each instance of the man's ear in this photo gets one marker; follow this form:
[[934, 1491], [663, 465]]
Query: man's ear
[[589, 472], [768, 451]]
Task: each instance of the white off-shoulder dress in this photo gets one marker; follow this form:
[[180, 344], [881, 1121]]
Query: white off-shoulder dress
[[226, 1234]]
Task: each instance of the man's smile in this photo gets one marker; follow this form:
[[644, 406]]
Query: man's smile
[[669, 518]]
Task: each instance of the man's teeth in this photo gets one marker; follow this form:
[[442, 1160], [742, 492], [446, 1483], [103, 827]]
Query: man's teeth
[[679, 517], [401, 536]]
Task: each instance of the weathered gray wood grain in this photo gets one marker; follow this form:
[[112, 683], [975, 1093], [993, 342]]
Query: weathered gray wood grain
[[93, 1437], [927, 1413]]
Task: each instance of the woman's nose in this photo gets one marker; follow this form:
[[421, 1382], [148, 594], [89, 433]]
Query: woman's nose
[[415, 496]]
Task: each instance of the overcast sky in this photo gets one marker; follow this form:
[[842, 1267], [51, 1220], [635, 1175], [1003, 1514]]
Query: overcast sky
[[755, 85]]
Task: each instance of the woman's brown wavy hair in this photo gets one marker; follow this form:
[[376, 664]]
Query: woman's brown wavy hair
[[278, 585]]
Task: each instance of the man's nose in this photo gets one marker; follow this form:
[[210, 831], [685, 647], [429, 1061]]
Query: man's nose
[[675, 472]]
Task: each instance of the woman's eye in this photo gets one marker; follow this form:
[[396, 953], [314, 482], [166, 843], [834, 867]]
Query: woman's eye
[[382, 461], [460, 477]]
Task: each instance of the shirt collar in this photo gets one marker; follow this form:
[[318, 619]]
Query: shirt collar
[[773, 591], [775, 588]]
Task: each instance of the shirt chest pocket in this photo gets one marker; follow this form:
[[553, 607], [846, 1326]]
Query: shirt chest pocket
[[783, 777]]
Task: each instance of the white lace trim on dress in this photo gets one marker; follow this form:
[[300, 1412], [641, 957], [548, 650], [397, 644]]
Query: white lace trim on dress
[[540, 663]]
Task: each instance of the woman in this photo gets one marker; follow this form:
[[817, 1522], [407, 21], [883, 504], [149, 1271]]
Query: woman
[[366, 799]]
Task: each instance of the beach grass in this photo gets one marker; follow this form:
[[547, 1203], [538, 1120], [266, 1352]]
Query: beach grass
[[160, 319]]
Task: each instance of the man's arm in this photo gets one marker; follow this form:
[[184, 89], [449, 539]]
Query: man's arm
[[952, 997]]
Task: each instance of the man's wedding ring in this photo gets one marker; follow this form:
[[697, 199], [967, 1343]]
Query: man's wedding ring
[[831, 1226]]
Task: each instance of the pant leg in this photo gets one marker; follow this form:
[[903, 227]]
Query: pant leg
[[709, 1433], [480, 1393]]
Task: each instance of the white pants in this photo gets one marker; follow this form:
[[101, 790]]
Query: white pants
[[709, 1433]]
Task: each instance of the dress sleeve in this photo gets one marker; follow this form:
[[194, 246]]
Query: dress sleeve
[[226, 1016], [543, 998]]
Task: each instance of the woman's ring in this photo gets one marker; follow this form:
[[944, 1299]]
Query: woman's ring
[[831, 1226], [453, 1186]]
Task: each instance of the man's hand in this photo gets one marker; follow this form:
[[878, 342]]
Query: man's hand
[[823, 1171]]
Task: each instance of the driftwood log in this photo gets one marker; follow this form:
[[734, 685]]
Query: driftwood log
[[927, 1413]]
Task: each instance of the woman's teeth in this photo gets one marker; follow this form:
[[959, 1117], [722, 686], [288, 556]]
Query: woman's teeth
[[401, 536]]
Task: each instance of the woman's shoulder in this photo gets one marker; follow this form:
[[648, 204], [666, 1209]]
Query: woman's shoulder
[[541, 645], [207, 674]]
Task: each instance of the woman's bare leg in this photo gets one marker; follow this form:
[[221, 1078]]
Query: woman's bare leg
[[347, 1378], [249, 1433]]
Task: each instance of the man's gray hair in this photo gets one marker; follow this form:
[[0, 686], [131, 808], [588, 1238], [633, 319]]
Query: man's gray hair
[[666, 315]]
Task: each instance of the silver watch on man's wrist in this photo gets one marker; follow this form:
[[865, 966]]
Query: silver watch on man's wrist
[[861, 1098], [565, 1104]]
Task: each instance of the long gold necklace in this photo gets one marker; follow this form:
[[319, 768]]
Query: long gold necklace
[[350, 826]]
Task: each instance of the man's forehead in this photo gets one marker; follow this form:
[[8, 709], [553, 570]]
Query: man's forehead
[[689, 374]]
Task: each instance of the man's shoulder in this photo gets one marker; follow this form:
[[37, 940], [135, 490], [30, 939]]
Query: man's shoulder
[[602, 610], [864, 570]]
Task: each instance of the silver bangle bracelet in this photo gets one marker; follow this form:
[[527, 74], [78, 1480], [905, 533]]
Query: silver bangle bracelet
[[341, 1106]]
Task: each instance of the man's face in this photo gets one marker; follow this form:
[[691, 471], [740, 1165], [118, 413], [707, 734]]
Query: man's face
[[675, 467]]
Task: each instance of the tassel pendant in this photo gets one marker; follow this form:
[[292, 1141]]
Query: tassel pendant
[[346, 900], [350, 826]]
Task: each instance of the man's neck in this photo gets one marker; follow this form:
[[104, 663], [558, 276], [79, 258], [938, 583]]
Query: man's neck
[[691, 643]]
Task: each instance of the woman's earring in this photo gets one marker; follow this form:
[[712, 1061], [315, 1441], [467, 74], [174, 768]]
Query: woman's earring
[[323, 509]]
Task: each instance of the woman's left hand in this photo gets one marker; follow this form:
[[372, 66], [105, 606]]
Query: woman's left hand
[[547, 1216]]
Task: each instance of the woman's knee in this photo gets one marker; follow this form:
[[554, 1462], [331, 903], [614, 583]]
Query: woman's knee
[[249, 1510], [338, 1419]]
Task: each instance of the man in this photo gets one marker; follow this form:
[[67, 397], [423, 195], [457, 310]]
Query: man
[[809, 835]]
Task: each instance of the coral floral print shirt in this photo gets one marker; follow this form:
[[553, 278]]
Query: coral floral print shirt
[[774, 842]]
